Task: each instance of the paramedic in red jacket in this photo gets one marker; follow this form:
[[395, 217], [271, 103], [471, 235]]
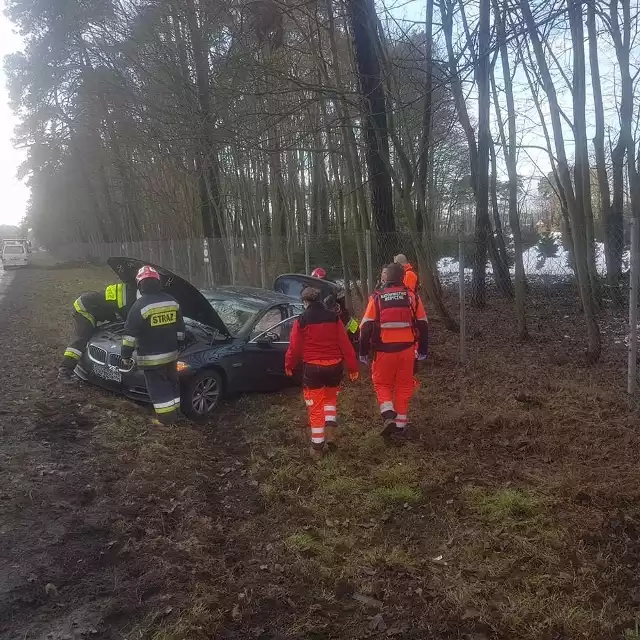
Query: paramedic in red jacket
[[395, 329], [320, 341]]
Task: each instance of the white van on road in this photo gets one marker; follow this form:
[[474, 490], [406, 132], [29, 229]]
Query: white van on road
[[14, 255]]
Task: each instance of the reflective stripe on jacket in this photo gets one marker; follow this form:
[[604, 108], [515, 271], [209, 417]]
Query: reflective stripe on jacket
[[395, 319], [120, 294], [80, 306], [107, 306], [155, 327]]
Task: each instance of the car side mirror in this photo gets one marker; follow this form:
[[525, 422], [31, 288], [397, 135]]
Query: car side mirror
[[265, 339]]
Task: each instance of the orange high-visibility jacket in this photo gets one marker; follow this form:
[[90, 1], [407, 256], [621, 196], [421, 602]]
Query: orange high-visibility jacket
[[410, 278], [395, 319]]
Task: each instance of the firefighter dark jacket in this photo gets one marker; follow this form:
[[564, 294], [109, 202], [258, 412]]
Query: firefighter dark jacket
[[318, 336], [395, 320], [114, 302], [155, 327]]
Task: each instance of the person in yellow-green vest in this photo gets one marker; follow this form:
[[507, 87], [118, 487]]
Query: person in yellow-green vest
[[90, 309]]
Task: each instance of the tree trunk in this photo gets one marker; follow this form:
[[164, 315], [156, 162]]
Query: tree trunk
[[582, 173], [484, 133], [484, 240], [363, 19], [424, 218], [612, 225], [576, 214], [622, 42], [212, 216], [497, 222], [509, 150], [354, 169]]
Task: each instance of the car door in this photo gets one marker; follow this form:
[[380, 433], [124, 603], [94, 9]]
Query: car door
[[267, 346]]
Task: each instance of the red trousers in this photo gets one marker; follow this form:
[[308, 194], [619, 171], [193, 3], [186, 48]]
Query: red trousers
[[322, 406], [393, 381]]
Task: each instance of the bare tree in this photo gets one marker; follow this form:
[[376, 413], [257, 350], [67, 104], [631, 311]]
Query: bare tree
[[509, 147], [612, 221], [484, 240], [621, 35], [576, 213], [364, 23]]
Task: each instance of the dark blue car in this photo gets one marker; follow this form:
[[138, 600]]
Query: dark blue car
[[236, 341]]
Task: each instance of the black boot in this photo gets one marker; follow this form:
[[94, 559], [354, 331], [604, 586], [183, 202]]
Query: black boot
[[66, 376], [390, 426], [316, 451], [330, 435]]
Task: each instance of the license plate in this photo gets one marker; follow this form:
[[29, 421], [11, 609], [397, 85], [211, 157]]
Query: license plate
[[107, 373]]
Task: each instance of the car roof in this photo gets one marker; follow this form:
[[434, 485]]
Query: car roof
[[260, 297]]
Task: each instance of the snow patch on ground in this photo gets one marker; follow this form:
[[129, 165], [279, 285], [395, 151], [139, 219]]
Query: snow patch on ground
[[537, 264]]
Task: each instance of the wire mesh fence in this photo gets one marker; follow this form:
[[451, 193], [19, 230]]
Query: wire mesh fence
[[354, 259]]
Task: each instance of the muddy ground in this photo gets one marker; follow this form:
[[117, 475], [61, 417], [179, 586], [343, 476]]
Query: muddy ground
[[515, 514]]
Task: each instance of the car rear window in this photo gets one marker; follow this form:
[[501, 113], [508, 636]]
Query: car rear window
[[13, 249]]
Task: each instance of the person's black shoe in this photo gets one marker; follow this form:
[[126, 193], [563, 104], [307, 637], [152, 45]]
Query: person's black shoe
[[330, 435], [390, 428], [67, 377]]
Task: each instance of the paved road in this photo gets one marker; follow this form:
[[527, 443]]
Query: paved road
[[5, 280]]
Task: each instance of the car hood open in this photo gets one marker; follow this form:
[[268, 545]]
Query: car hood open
[[192, 303], [292, 284]]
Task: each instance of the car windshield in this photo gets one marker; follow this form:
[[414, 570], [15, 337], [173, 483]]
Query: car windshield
[[13, 248], [236, 313]]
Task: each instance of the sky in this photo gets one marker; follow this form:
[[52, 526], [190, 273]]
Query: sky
[[533, 162], [13, 192]]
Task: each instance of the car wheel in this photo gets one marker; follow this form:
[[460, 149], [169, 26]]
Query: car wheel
[[202, 395]]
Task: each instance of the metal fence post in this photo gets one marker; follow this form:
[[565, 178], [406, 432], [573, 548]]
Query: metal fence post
[[263, 262], [461, 287], [189, 259], [368, 251], [633, 310], [232, 259], [307, 258], [207, 253], [173, 255]]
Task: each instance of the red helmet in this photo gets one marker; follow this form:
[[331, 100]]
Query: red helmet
[[319, 272], [146, 272]]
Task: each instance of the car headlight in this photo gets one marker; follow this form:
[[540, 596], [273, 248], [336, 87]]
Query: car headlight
[[182, 366]]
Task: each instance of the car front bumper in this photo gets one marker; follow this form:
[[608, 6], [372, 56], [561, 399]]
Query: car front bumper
[[132, 386]]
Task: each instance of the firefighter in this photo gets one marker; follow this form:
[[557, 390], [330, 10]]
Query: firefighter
[[410, 276], [320, 341], [155, 328], [337, 302], [90, 309], [395, 329]]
